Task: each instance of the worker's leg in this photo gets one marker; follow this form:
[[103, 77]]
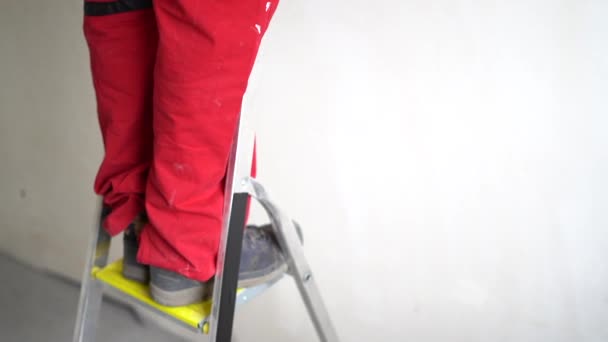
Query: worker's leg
[[122, 42], [206, 52]]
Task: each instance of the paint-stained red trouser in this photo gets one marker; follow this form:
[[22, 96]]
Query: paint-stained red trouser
[[169, 79]]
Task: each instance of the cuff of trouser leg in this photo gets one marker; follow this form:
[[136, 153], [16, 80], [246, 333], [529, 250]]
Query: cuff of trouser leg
[[122, 215], [154, 251]]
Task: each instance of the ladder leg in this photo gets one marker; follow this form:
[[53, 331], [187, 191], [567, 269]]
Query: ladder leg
[[227, 302], [290, 243], [229, 253], [91, 291]]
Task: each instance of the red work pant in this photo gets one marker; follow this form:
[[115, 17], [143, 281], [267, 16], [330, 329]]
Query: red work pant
[[169, 79]]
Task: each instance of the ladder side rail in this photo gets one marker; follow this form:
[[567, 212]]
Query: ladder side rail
[[289, 241], [91, 290]]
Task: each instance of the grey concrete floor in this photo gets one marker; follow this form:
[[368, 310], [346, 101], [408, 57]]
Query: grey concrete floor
[[37, 306]]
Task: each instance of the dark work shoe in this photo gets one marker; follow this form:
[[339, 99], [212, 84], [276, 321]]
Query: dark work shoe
[[261, 262], [131, 269], [261, 257]]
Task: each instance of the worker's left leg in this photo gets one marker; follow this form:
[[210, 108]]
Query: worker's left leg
[[206, 52]]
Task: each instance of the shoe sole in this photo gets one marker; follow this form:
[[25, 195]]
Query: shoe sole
[[180, 297], [266, 278], [198, 294], [138, 273]]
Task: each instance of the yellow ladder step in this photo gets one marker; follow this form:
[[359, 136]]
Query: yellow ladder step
[[193, 315]]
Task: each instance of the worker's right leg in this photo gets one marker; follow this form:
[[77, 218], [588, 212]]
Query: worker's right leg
[[122, 43]]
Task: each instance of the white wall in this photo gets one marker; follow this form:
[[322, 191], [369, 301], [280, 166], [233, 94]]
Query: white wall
[[447, 159]]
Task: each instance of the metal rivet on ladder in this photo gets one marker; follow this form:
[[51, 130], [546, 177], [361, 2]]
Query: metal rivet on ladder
[[307, 276]]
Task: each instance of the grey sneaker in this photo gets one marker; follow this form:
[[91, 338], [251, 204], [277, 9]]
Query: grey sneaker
[[131, 269], [261, 262]]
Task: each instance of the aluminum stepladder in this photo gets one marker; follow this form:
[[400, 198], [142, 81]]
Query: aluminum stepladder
[[215, 318]]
